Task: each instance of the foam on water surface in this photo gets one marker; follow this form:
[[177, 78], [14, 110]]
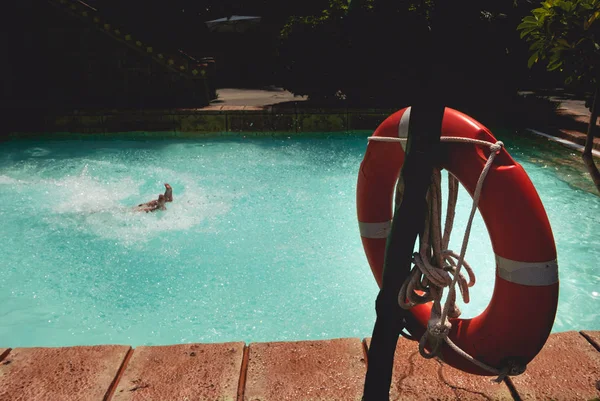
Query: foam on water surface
[[260, 244]]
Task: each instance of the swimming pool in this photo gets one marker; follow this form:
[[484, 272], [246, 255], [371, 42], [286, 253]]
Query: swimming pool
[[260, 244]]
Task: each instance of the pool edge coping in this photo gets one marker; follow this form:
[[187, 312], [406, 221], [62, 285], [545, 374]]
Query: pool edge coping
[[351, 350]]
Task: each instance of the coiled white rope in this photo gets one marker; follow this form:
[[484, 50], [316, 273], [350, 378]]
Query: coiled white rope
[[437, 267]]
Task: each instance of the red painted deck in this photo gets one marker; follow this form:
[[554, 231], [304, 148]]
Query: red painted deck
[[568, 368]]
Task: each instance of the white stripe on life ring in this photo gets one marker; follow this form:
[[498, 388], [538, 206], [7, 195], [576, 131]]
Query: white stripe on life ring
[[403, 127], [534, 274], [374, 230]]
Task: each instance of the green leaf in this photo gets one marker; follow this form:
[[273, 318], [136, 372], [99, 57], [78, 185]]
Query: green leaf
[[533, 59], [554, 65], [540, 13], [525, 33], [590, 21], [536, 45], [527, 24], [568, 6]]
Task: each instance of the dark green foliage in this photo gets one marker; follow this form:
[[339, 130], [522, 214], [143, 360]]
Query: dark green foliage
[[371, 52], [312, 55], [58, 61], [565, 36]]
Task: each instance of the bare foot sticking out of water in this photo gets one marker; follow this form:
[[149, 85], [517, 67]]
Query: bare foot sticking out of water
[[168, 193]]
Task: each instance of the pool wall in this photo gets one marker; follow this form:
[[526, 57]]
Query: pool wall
[[251, 119], [223, 120]]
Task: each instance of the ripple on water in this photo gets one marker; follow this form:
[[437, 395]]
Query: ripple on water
[[260, 244]]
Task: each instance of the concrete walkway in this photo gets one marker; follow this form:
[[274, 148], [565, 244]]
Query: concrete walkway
[[269, 96], [571, 121], [254, 97], [564, 99], [570, 124]]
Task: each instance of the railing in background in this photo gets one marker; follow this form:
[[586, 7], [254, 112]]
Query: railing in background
[[180, 63]]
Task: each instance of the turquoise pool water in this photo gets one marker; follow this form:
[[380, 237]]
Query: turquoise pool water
[[260, 244]]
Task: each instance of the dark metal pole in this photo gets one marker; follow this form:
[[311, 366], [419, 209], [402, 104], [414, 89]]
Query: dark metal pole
[[422, 153]]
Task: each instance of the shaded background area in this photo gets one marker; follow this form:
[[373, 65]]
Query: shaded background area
[[362, 53], [59, 60]]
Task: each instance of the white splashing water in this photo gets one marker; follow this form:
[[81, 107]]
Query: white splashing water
[[6, 180], [105, 209]]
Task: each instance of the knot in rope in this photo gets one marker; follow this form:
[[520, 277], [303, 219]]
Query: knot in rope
[[440, 329], [495, 148]]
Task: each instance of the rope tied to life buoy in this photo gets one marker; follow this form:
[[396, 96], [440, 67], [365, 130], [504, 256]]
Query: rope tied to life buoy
[[437, 267]]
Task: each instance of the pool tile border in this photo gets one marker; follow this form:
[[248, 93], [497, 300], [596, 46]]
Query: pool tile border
[[223, 120], [211, 119]]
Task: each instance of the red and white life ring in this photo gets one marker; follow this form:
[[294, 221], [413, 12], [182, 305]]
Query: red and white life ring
[[519, 318]]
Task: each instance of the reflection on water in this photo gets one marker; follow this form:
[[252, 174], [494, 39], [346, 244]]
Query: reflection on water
[[565, 163]]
